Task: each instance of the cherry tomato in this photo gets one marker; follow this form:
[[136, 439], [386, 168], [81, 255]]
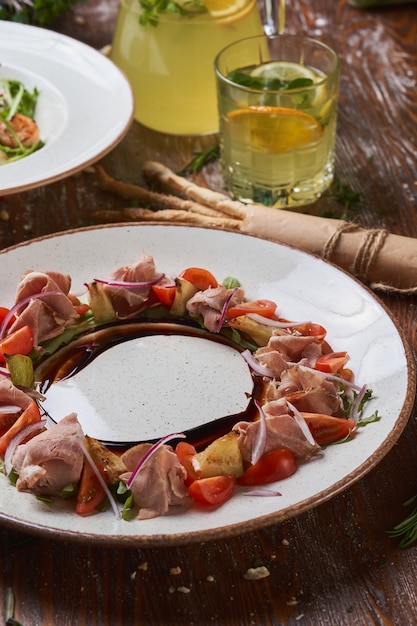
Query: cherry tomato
[[90, 491], [201, 279], [266, 308], [310, 330], [82, 308], [332, 362], [215, 490], [165, 294], [328, 429], [29, 416], [7, 420], [3, 313], [18, 342], [275, 465], [185, 452]]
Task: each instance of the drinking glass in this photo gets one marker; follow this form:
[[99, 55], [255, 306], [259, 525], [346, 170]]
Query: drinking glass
[[277, 99], [168, 59]]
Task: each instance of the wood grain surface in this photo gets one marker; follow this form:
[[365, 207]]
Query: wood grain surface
[[334, 564]]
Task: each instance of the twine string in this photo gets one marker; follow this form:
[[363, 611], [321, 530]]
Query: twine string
[[366, 254]]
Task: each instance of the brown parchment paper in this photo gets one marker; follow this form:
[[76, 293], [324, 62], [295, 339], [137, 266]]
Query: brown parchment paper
[[384, 261]]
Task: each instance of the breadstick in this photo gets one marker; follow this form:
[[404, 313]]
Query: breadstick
[[183, 217], [151, 198], [180, 185]]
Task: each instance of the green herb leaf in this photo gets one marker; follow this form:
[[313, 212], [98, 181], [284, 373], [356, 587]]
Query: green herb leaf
[[268, 83], [200, 160], [407, 529], [153, 9]]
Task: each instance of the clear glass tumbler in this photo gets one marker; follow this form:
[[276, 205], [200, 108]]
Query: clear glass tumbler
[[277, 99]]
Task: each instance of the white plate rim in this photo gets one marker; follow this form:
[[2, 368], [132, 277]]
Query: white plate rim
[[78, 137], [259, 521]]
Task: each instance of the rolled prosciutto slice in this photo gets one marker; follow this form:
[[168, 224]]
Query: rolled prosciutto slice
[[210, 303], [307, 391], [282, 431], [127, 302], [47, 316], [159, 484], [51, 461]]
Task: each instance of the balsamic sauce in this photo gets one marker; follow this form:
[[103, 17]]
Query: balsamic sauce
[[72, 358]]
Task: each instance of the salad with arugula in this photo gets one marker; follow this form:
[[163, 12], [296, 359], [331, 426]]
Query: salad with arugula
[[304, 399], [19, 132]]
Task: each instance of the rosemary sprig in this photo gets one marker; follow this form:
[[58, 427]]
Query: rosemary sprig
[[407, 529], [200, 160]]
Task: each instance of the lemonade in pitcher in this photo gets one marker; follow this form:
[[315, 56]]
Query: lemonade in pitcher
[[168, 57]]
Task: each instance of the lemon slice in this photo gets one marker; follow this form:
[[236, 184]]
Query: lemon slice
[[274, 129], [284, 70], [224, 8]]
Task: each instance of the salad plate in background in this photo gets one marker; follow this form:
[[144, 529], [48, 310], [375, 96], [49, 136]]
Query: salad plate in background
[[305, 288], [85, 104]]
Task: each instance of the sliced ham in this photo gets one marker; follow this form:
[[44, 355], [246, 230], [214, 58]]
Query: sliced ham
[[282, 432], [11, 395], [159, 484], [307, 391], [49, 316], [127, 302], [51, 461], [210, 303], [12, 402]]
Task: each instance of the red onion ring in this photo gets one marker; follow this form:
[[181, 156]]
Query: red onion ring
[[130, 284], [254, 364], [150, 452], [302, 424], [258, 448], [101, 480], [21, 304], [17, 440], [268, 321]]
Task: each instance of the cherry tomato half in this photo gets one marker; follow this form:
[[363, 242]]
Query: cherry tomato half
[[165, 294], [18, 342], [201, 279], [332, 362], [185, 452], [266, 308], [328, 429], [215, 490], [275, 465], [29, 416], [3, 313], [90, 491]]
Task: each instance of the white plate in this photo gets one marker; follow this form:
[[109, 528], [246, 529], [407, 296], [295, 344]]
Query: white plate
[[305, 287], [85, 104]]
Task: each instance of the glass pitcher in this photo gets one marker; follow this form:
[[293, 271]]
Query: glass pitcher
[[168, 58]]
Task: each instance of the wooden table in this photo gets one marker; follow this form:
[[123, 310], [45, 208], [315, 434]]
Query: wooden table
[[334, 564]]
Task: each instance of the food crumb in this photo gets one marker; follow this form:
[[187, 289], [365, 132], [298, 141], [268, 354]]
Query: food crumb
[[184, 589], [285, 542], [171, 589], [79, 19], [133, 575], [256, 573], [143, 566], [292, 602], [210, 578], [299, 617], [4, 215], [175, 571]]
